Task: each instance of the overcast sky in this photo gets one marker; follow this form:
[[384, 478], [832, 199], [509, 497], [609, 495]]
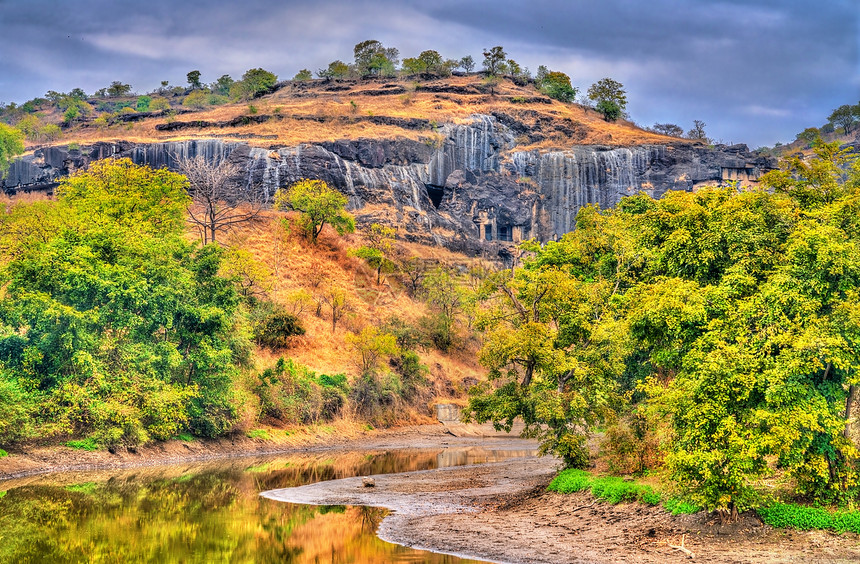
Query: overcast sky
[[756, 71]]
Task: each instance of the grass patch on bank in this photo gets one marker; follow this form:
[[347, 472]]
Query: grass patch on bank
[[3, 453], [261, 434], [83, 444], [803, 518], [613, 489], [184, 437]]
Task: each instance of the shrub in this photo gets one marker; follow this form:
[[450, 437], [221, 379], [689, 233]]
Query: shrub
[[275, 326], [631, 447], [372, 394], [143, 103], [292, 393], [15, 411], [159, 104], [413, 374]]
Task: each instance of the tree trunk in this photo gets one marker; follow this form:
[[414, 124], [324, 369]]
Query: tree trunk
[[530, 370], [849, 410]]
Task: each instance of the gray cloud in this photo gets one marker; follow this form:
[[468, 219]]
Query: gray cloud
[[756, 71]]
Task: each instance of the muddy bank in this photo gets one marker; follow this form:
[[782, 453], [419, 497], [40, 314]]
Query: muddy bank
[[30, 460], [501, 512]]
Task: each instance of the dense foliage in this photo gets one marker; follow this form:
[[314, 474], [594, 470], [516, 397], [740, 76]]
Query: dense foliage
[[112, 324], [730, 317]]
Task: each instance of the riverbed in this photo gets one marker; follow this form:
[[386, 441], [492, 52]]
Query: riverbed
[[211, 511]]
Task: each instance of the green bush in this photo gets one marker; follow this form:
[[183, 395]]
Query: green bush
[[275, 326], [292, 393], [15, 410]]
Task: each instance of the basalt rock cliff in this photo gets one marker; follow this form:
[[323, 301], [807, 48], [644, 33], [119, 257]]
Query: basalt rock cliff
[[467, 188]]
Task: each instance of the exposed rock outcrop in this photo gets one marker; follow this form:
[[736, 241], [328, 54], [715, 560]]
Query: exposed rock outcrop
[[462, 186]]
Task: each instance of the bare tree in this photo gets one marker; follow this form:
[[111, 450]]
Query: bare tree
[[218, 200]]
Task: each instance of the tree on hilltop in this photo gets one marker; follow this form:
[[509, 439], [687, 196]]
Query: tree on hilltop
[[670, 129], [698, 132], [494, 61], [373, 59], [193, 78], [556, 85], [222, 86], [467, 63], [335, 70], [254, 82], [610, 97], [845, 116], [117, 89], [303, 75]]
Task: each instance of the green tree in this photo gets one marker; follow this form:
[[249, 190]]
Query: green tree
[[609, 110], [556, 85], [670, 129], [254, 82], [373, 59], [808, 136], [844, 116], [317, 205], [11, 144], [610, 97], [193, 78], [377, 252], [414, 65], [116, 192], [434, 63], [50, 132], [335, 70], [467, 63], [117, 89], [370, 347], [494, 61], [222, 86], [303, 76], [117, 328]]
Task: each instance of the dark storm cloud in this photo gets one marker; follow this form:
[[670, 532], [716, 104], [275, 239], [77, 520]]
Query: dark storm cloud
[[755, 71]]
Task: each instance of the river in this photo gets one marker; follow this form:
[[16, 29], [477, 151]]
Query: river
[[212, 512]]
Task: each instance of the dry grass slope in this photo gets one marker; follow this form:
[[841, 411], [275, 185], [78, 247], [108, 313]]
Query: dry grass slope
[[323, 111]]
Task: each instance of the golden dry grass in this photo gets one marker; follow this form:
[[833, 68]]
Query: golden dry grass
[[296, 265], [342, 111]]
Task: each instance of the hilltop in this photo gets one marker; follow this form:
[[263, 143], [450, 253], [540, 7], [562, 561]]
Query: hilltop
[[321, 110]]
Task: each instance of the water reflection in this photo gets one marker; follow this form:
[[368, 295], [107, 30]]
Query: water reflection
[[209, 512]]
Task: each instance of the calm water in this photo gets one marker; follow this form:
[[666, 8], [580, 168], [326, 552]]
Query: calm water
[[210, 513]]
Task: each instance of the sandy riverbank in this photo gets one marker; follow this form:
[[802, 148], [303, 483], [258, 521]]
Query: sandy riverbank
[[501, 512]]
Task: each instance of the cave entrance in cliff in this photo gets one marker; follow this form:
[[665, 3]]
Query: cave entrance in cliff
[[435, 194]]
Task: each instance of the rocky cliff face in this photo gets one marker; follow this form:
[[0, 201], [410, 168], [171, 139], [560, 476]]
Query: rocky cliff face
[[463, 187]]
